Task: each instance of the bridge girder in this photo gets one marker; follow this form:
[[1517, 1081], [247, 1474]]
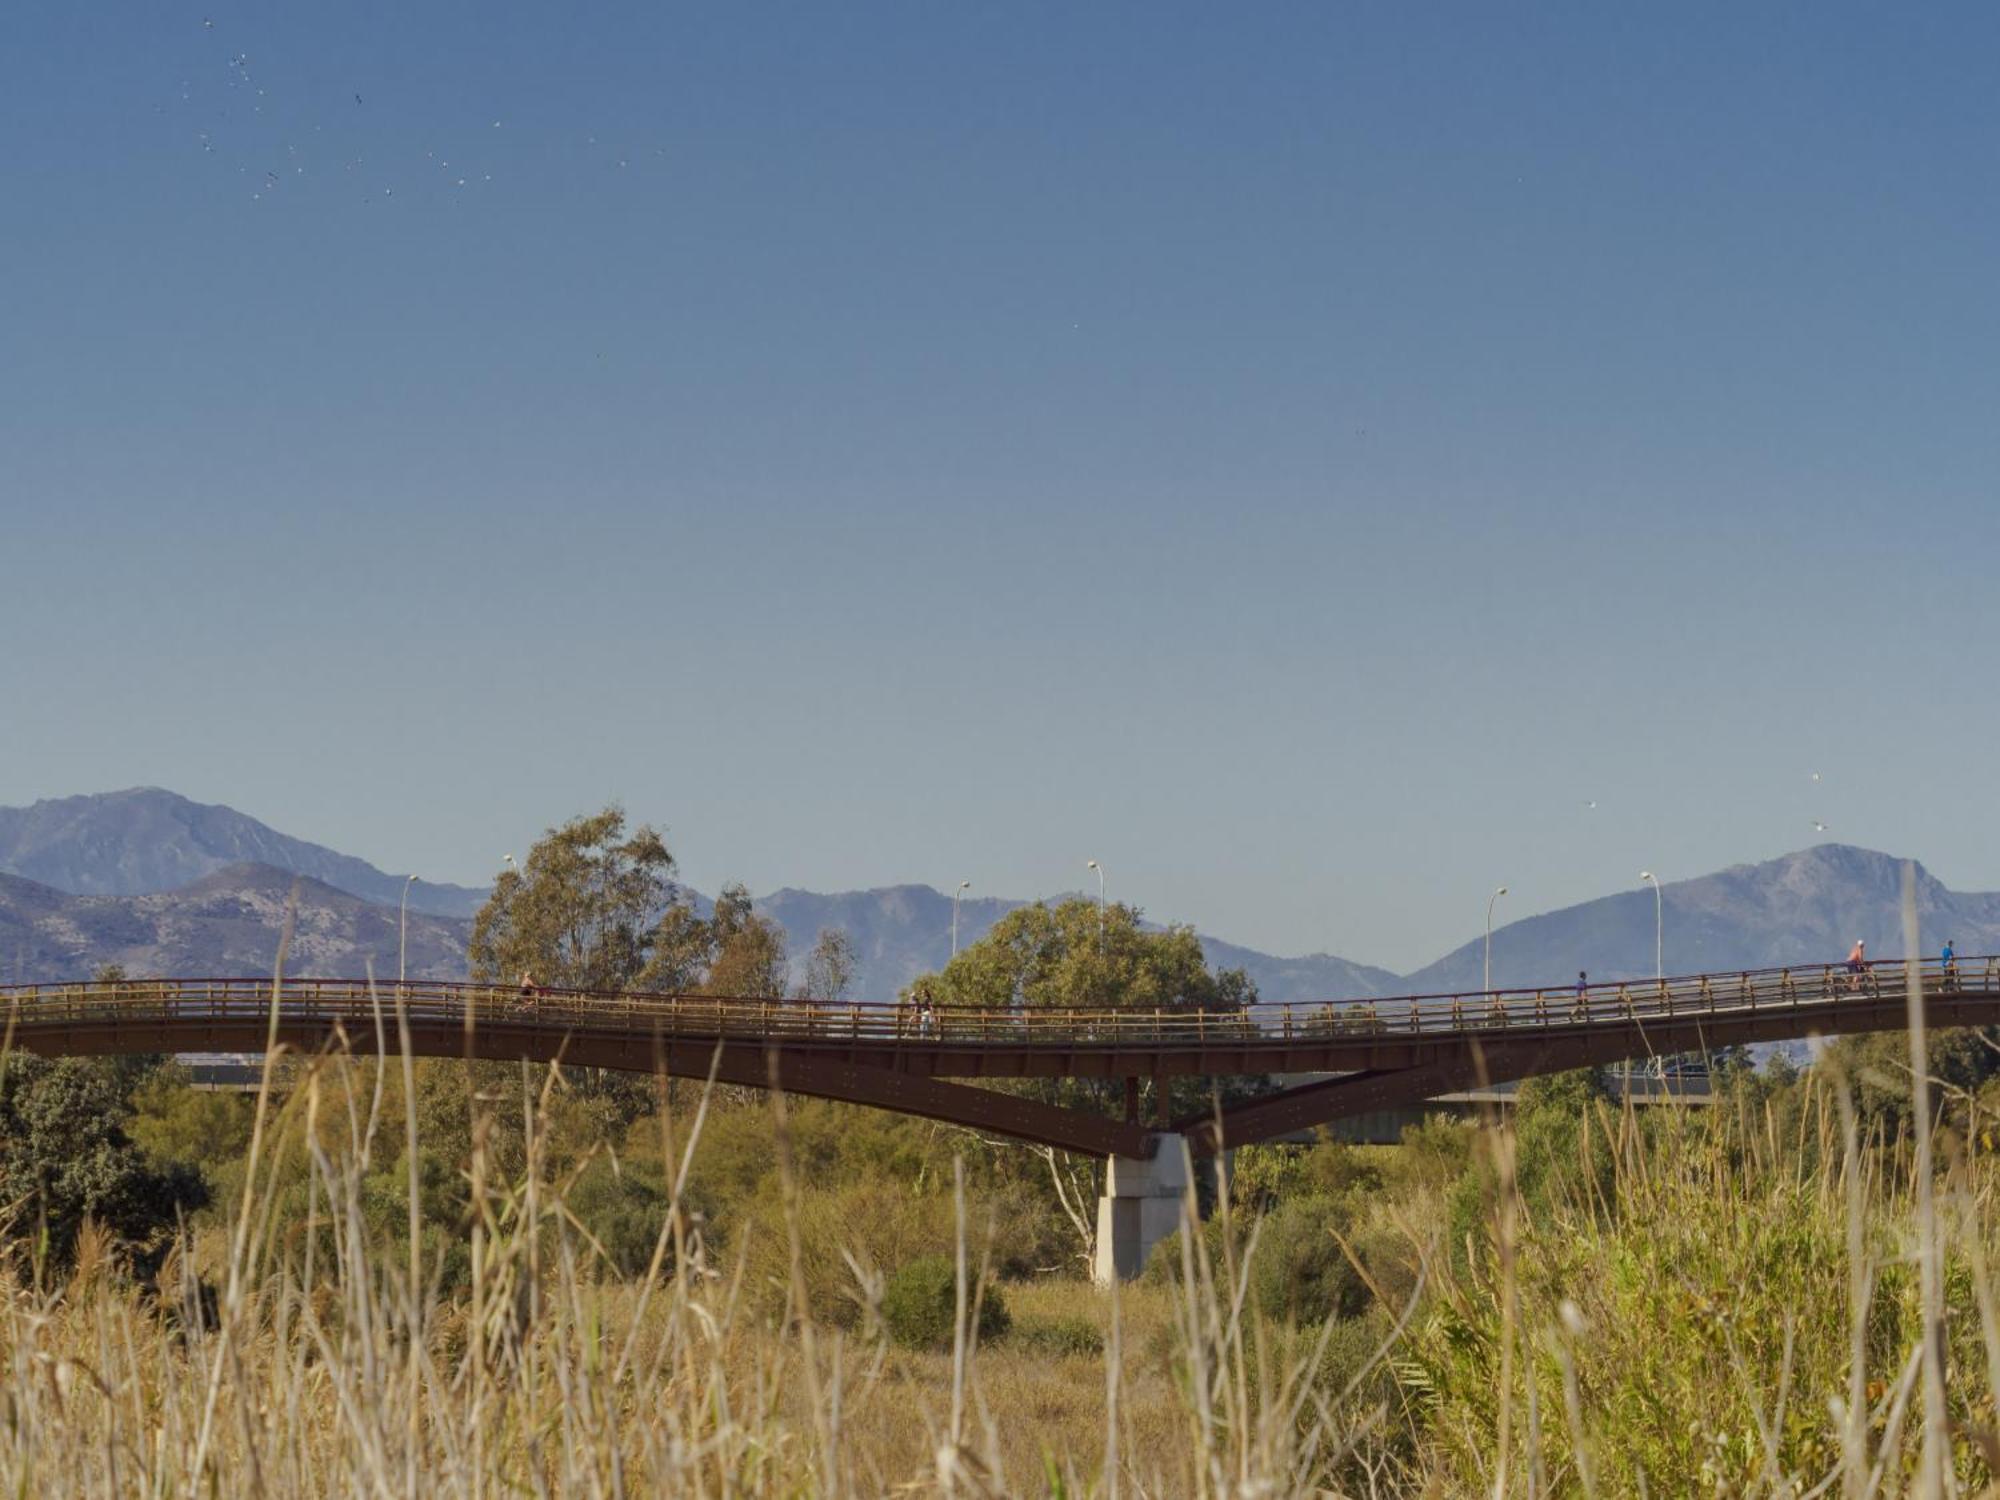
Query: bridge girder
[[1498, 1058], [749, 1065], [1385, 1055]]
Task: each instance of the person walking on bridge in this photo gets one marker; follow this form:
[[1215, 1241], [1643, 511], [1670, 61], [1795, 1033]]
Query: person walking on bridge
[[1949, 959], [1857, 961]]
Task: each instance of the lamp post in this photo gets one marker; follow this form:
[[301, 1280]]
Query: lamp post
[[1091, 864], [1659, 926], [1489, 936], [963, 887], [403, 934]]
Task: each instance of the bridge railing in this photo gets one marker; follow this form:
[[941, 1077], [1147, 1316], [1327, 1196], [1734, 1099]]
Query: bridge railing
[[358, 1006]]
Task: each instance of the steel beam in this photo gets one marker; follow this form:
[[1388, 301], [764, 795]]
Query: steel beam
[[1453, 1065], [844, 1055], [795, 1070]]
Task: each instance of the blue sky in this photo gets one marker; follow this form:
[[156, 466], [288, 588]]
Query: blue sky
[[1297, 456]]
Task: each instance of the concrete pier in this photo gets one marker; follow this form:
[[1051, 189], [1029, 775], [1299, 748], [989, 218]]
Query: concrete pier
[[1140, 1207]]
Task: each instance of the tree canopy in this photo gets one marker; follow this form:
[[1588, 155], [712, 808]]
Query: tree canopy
[[829, 967], [597, 907], [584, 911], [67, 1157], [1078, 954], [746, 952]]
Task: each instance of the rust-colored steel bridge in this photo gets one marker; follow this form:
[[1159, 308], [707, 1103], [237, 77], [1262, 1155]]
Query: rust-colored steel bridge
[[1380, 1053]]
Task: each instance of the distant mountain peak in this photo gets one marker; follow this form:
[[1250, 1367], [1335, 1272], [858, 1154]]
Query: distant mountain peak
[[255, 875], [85, 879], [148, 839], [1804, 908]]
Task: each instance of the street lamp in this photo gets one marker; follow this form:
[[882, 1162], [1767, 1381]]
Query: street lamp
[[1489, 936], [963, 887], [1659, 926], [403, 934]]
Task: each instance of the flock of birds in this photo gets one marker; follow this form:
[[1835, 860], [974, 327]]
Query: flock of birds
[[275, 147]]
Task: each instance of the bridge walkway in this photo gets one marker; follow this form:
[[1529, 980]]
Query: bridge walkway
[[1383, 1053]]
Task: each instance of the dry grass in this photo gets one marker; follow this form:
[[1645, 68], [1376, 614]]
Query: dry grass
[[1738, 1309], [327, 1361]]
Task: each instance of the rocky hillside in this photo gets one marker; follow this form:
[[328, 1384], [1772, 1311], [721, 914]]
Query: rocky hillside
[[223, 925]]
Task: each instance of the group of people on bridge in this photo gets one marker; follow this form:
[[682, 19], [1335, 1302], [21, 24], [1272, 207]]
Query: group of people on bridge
[[1857, 963]]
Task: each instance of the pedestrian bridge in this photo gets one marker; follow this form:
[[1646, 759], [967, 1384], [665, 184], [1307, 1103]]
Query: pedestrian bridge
[[1365, 1056]]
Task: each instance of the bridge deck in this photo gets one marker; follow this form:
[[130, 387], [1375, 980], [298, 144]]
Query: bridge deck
[[1391, 1051]]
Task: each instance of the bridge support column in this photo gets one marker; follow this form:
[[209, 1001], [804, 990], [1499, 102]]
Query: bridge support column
[[1141, 1206]]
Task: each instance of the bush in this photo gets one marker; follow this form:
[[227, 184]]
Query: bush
[[921, 1302], [623, 1211], [69, 1161], [173, 1122], [1433, 1155], [1059, 1336], [1163, 1266], [1264, 1175], [874, 1190], [853, 1233], [1299, 1274]]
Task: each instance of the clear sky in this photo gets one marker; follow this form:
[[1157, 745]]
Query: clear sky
[[1299, 455]]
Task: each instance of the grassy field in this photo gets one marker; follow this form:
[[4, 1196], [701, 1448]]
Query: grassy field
[[1586, 1303]]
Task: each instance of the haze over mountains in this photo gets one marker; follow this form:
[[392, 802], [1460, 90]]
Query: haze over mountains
[[143, 878]]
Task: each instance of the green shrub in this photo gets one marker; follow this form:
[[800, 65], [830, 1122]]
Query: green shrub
[[1059, 1336], [174, 1122], [1163, 1266], [1432, 1156], [1267, 1175], [623, 1211], [68, 1158], [1300, 1274], [874, 1190], [920, 1304]]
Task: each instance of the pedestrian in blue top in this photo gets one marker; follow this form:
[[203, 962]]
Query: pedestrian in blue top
[[1950, 959]]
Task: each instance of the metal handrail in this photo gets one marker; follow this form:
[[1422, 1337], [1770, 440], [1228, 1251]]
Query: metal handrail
[[762, 1017]]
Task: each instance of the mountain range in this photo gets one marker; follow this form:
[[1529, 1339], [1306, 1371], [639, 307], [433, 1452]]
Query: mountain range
[[1805, 908], [146, 879], [224, 925], [901, 931], [145, 840]]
